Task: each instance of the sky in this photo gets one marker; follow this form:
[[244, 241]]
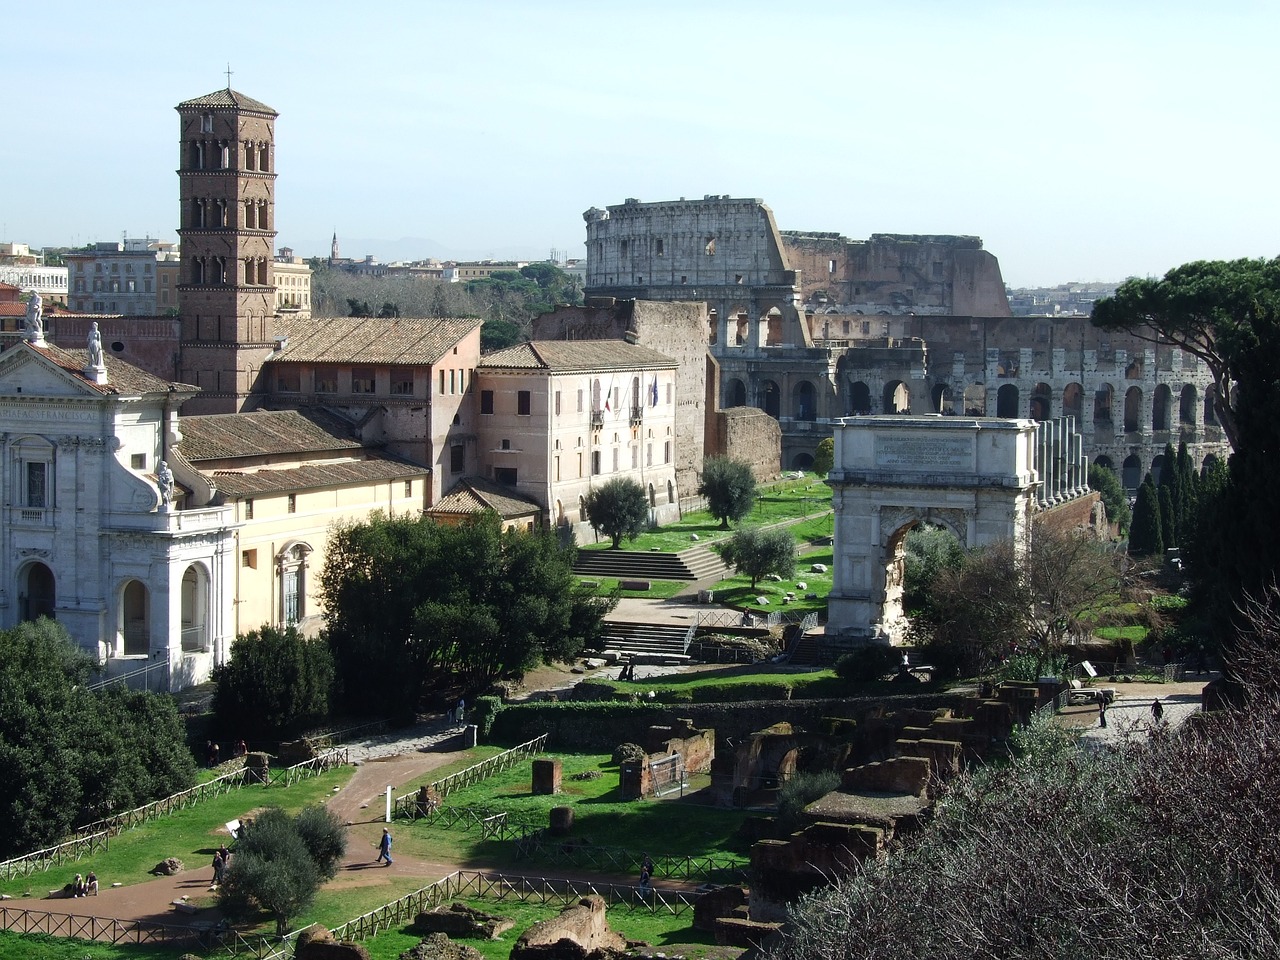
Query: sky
[[1079, 140]]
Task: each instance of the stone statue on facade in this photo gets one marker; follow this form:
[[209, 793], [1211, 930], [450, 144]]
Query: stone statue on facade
[[34, 322], [95, 346], [164, 480]]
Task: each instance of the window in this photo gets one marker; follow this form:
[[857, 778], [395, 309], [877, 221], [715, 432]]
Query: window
[[581, 397], [362, 381], [248, 509], [557, 403], [288, 381], [831, 266], [866, 328], [710, 248], [138, 461], [37, 485], [402, 383], [557, 469], [486, 401], [249, 559], [457, 458], [657, 246], [206, 123], [595, 463], [293, 503], [635, 457], [615, 459], [408, 488], [453, 381], [670, 389], [326, 381], [666, 452], [522, 403], [737, 278], [505, 475]]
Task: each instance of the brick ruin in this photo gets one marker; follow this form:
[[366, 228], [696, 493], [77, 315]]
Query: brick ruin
[[695, 748], [893, 765]]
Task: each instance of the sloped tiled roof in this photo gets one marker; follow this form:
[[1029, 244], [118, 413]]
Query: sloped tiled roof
[[400, 340], [123, 379], [221, 436], [12, 309], [475, 495], [576, 355], [235, 483], [228, 98]]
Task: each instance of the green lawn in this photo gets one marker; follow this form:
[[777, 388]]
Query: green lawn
[[785, 501], [1135, 633], [191, 835], [17, 946], [659, 827], [658, 929], [736, 683], [658, 589], [736, 591]]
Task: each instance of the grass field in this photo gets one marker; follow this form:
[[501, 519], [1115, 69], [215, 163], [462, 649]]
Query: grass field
[[192, 835], [714, 686], [672, 826], [785, 501], [658, 589], [736, 591]]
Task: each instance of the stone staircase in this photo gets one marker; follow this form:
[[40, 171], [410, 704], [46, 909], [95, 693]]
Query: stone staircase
[[654, 642], [805, 652], [696, 563]]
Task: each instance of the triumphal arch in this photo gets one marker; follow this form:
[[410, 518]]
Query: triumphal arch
[[975, 476]]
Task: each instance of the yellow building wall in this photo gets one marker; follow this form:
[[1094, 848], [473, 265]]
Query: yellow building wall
[[273, 530]]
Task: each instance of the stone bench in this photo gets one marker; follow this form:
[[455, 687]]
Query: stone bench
[[633, 584], [182, 906]]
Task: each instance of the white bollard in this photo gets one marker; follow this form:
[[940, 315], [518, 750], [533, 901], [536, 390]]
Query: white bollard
[[388, 803]]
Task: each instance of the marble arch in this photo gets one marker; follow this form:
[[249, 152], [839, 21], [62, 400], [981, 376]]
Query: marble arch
[[976, 476]]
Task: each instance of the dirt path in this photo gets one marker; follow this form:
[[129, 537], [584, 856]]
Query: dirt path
[[361, 804]]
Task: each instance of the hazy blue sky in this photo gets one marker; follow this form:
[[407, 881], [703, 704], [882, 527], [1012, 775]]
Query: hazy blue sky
[[1080, 140]]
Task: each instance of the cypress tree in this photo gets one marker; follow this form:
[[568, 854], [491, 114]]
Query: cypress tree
[[1145, 535], [1171, 500]]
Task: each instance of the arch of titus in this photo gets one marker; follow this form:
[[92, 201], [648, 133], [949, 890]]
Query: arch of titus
[[976, 477]]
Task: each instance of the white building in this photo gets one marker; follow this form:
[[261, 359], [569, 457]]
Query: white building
[[88, 537]]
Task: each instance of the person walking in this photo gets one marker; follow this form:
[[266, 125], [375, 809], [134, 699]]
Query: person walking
[[1102, 712], [1157, 710], [384, 847]]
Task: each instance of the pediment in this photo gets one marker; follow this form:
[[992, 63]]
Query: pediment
[[25, 373]]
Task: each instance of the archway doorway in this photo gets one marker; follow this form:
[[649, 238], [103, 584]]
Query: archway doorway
[[735, 393], [195, 604], [1131, 472], [1007, 402], [897, 398], [859, 401], [940, 397], [39, 593], [770, 398], [806, 401], [1041, 402], [135, 619]]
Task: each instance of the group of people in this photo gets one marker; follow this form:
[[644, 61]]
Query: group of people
[[221, 857], [213, 752], [84, 886]]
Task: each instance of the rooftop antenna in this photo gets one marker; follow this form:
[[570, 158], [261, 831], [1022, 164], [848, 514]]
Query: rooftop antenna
[[229, 72]]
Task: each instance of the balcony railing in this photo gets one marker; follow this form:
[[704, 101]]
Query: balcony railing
[[597, 419], [195, 639], [637, 414]]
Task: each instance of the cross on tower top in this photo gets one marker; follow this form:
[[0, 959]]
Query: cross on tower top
[[229, 72]]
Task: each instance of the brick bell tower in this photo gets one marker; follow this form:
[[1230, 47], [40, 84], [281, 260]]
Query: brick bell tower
[[226, 177]]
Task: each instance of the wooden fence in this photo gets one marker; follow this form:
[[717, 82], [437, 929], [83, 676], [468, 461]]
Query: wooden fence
[[542, 846], [475, 885], [407, 807], [96, 836], [102, 930]]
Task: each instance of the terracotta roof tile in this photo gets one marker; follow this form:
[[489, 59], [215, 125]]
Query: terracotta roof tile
[[222, 436], [576, 355], [475, 495], [123, 379], [402, 340], [230, 99], [235, 483]]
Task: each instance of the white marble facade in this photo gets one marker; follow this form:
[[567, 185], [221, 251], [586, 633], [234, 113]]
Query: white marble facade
[[87, 538]]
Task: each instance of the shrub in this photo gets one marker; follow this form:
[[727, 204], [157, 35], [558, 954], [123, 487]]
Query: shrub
[[483, 713], [277, 681], [800, 791], [628, 753], [868, 664]]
